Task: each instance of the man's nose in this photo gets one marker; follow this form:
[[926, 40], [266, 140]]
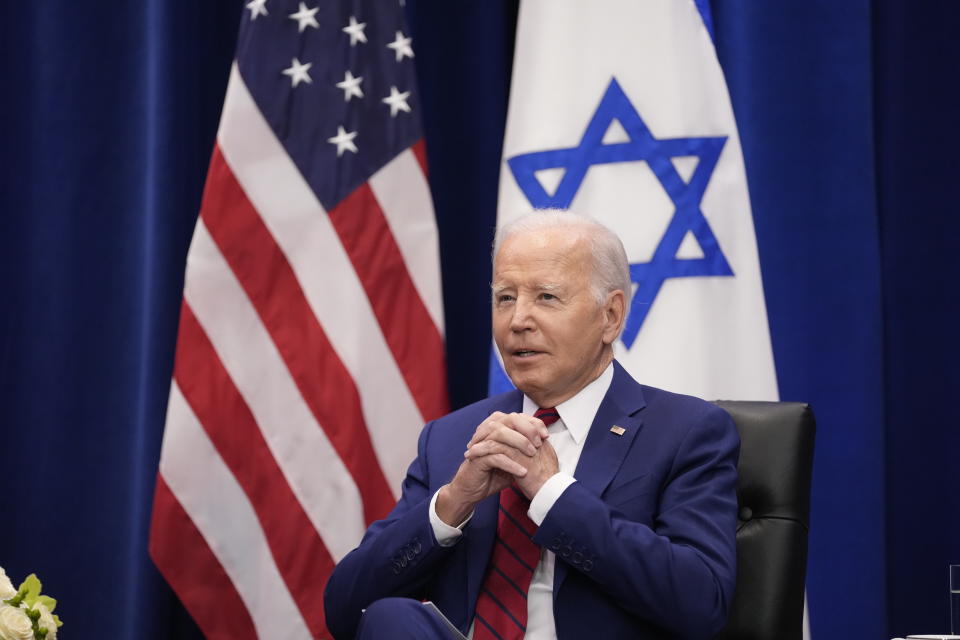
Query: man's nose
[[522, 318]]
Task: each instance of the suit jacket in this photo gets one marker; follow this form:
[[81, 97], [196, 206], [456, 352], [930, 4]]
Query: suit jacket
[[645, 539]]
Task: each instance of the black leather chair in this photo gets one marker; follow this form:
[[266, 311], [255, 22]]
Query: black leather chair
[[776, 460]]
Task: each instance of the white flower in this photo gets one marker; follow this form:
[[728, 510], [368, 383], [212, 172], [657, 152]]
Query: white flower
[[14, 624], [46, 620], [6, 587]]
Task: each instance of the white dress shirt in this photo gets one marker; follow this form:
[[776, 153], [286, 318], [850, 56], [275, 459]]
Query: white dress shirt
[[567, 435]]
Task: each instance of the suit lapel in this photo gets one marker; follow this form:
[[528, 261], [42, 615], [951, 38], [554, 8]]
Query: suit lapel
[[605, 450]]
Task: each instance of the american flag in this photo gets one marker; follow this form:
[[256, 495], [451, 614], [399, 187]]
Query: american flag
[[310, 348]]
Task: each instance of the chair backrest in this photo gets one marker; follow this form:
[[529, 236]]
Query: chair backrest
[[776, 461]]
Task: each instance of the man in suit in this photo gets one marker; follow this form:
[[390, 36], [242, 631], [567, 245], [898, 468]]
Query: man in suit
[[581, 505]]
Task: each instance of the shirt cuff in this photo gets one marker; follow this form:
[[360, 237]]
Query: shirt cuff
[[548, 495], [446, 535]]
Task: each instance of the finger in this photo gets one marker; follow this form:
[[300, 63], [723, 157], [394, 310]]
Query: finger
[[490, 447], [505, 463], [484, 430], [493, 421], [532, 428], [533, 424], [512, 438], [481, 433]]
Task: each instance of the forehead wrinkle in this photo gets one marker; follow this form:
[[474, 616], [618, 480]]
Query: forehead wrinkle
[[524, 259], [536, 286], [547, 286]]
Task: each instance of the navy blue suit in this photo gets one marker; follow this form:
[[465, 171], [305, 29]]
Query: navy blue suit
[[645, 539]]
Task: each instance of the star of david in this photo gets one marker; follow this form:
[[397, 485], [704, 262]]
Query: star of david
[[642, 146]]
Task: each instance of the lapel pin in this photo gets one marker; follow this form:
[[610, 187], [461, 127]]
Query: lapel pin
[[617, 429]]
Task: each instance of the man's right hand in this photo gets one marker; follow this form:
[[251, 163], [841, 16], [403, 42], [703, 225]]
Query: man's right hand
[[496, 448]]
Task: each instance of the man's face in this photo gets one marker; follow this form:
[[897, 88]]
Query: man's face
[[547, 324]]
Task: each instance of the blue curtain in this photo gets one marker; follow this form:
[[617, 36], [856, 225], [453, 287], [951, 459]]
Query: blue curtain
[[108, 117], [847, 113], [800, 78], [917, 106]]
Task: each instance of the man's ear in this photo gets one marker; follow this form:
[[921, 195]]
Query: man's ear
[[614, 312]]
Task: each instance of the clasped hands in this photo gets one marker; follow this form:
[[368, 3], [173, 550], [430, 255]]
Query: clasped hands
[[505, 448]]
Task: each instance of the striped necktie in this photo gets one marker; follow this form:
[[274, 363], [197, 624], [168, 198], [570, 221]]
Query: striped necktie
[[502, 605]]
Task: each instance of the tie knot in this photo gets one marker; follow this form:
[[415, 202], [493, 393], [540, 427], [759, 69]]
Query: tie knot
[[549, 415]]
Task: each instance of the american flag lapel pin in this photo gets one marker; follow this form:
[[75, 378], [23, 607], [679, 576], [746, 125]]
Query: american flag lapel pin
[[617, 429]]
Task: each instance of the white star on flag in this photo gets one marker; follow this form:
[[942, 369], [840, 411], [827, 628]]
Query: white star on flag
[[257, 8], [298, 72], [401, 45], [306, 17], [397, 101], [355, 31], [344, 141], [350, 86]]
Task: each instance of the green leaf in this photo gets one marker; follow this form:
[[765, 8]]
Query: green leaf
[[32, 583], [48, 602], [56, 619]]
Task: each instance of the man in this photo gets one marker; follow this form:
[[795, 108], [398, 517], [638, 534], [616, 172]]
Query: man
[[629, 531]]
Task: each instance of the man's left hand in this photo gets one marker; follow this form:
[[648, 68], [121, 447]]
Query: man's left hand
[[540, 467]]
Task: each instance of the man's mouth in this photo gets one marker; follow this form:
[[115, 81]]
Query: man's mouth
[[525, 353]]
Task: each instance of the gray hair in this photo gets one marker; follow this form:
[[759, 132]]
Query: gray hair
[[611, 270]]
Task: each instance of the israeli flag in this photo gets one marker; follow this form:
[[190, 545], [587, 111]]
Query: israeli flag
[[619, 110]]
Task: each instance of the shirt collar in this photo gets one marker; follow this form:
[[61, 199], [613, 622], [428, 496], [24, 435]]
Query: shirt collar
[[578, 412]]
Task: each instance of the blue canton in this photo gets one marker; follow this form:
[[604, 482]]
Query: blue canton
[[336, 83], [642, 147]]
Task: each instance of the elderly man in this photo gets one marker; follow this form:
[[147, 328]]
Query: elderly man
[[581, 505]]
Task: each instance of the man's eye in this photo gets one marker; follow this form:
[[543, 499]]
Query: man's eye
[[504, 298], [548, 296]]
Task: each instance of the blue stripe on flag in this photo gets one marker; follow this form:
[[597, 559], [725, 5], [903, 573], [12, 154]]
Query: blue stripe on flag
[[703, 6]]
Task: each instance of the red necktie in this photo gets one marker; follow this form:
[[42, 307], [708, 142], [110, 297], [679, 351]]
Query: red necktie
[[502, 605]]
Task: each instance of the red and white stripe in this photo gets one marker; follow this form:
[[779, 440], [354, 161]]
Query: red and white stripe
[[309, 355]]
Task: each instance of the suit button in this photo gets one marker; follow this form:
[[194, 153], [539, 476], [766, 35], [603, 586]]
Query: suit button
[[555, 544], [403, 561], [396, 568], [417, 548], [577, 557], [566, 551], [746, 513], [410, 554], [587, 564]]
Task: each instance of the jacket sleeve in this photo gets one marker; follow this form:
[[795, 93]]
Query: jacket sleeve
[[679, 571], [395, 557]]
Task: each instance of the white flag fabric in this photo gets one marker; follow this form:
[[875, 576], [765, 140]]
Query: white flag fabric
[[619, 110]]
